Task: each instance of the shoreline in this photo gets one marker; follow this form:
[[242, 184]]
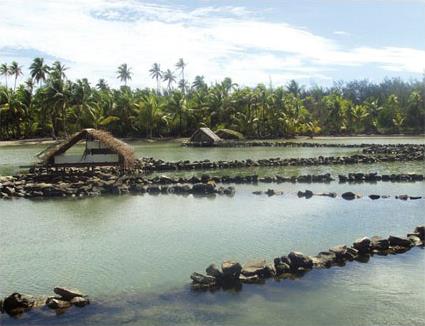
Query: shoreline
[[179, 140]]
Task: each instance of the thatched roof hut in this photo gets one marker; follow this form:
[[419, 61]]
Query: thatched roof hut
[[204, 135], [101, 149]]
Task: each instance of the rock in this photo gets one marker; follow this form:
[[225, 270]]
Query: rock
[[254, 279], [67, 294], [80, 301], [213, 271], [256, 267], [362, 245], [415, 197], [414, 239], [17, 303], [200, 281], [270, 192], [324, 259], [398, 249], [299, 260], [421, 231], [352, 253], [397, 241], [257, 192], [308, 194], [231, 269], [203, 188], [378, 243], [56, 303], [282, 268], [374, 197], [403, 197], [339, 252], [349, 195]]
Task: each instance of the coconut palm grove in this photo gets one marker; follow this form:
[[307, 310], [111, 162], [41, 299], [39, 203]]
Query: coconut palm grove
[[48, 104]]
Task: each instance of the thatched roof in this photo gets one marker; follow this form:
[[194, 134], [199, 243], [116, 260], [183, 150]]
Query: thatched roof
[[203, 133], [114, 144], [229, 134]]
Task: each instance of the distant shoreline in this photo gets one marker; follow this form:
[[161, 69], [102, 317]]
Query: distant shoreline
[[48, 141]]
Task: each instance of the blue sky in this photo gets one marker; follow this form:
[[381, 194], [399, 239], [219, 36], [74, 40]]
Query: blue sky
[[311, 41]]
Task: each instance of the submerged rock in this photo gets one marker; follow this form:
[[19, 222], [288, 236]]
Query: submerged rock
[[80, 301], [57, 303]]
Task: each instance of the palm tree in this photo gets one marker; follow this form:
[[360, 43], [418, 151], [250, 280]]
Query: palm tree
[[124, 73], [39, 70], [157, 74], [169, 77], [58, 70], [181, 65], [4, 71], [199, 83], [15, 70], [102, 85]]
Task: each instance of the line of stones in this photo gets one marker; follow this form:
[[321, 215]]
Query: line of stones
[[255, 143], [232, 274], [308, 178], [81, 183], [152, 165], [16, 304]]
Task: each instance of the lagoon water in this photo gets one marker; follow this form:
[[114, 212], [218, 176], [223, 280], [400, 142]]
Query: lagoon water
[[133, 254]]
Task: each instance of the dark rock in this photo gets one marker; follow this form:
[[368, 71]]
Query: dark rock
[[270, 192], [421, 231], [213, 271], [68, 294], [299, 260], [374, 197], [415, 197], [231, 269], [362, 245], [349, 195], [397, 241], [80, 302], [378, 243], [57, 303], [339, 251], [204, 280], [403, 197], [17, 303]]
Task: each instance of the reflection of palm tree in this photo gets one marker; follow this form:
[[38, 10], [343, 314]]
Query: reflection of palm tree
[[15, 70], [157, 74], [124, 73], [169, 77]]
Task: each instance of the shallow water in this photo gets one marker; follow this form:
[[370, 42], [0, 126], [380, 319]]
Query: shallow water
[[134, 254]]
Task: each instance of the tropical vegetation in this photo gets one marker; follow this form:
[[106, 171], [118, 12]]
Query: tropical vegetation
[[50, 104]]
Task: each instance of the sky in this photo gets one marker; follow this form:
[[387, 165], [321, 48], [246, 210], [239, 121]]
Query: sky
[[262, 41]]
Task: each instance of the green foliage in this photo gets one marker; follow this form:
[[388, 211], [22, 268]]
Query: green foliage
[[48, 104]]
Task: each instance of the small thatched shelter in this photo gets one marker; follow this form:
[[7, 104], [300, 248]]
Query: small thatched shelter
[[205, 136], [101, 149], [229, 134]]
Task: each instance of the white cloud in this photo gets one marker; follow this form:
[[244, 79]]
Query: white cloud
[[96, 36]]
